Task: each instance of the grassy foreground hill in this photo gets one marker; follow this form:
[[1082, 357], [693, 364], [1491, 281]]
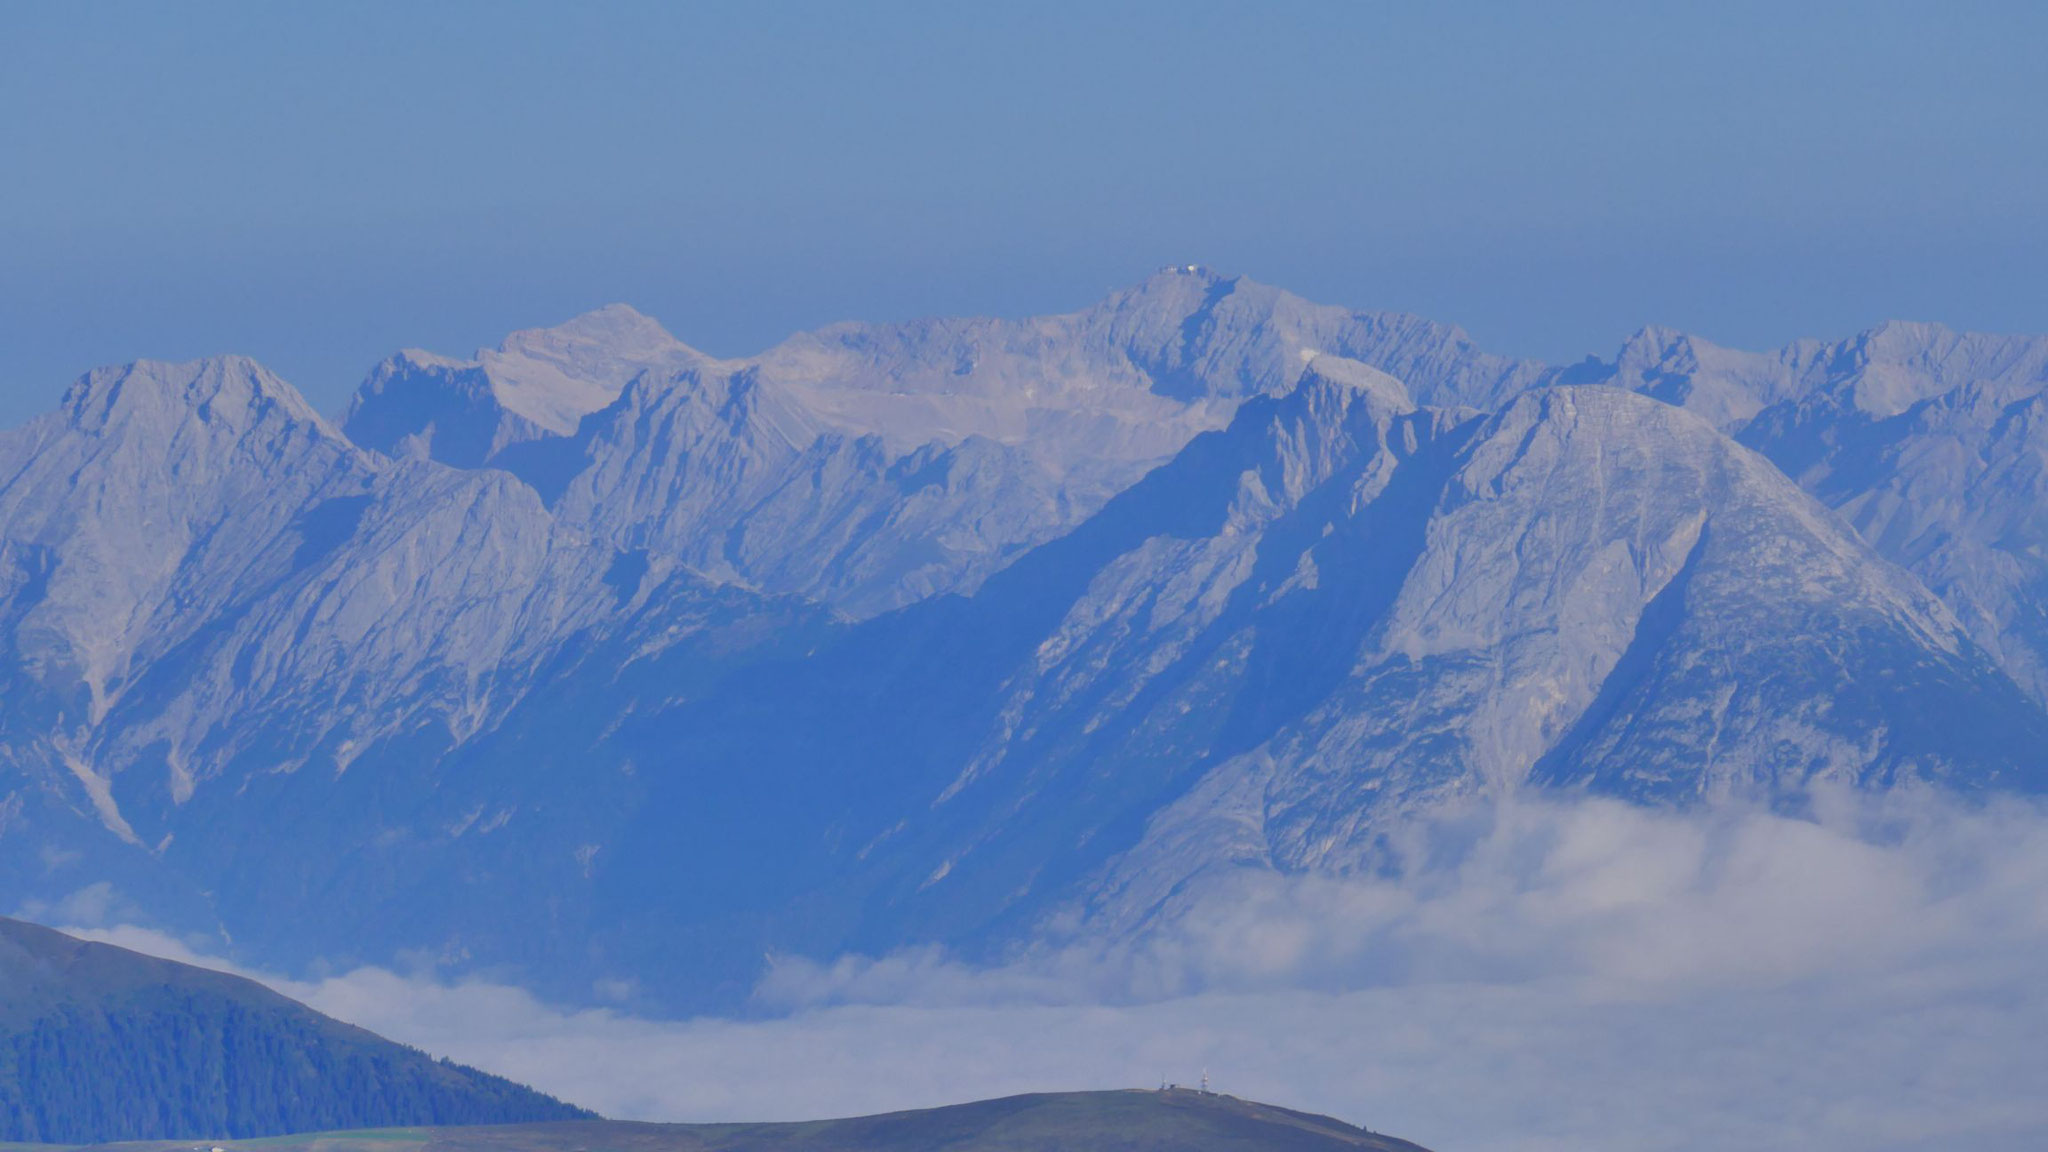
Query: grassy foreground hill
[[99, 1043], [1131, 1121], [104, 1047]]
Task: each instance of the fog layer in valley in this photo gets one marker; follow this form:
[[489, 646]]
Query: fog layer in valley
[[1535, 976]]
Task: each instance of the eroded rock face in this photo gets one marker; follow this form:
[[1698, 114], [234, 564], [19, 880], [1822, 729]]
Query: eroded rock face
[[1927, 440], [934, 630], [1355, 608], [1931, 443]]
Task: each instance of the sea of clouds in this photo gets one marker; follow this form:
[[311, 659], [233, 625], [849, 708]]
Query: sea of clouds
[[1536, 975]]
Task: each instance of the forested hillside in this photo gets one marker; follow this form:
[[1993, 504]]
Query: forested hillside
[[98, 1043]]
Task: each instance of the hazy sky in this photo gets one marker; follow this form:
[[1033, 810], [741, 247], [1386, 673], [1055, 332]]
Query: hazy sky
[[320, 185]]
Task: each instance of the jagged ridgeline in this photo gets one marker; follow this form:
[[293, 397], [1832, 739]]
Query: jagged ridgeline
[[606, 663], [99, 1044]]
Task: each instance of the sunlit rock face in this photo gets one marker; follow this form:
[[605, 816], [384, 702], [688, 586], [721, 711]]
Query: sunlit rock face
[[868, 466], [956, 629], [540, 382], [1929, 441]]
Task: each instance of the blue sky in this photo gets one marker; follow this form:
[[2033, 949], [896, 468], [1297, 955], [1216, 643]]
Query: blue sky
[[318, 186]]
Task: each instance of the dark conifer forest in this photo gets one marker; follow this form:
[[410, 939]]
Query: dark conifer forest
[[99, 1044]]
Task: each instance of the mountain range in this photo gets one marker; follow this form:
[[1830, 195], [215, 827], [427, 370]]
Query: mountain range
[[602, 660]]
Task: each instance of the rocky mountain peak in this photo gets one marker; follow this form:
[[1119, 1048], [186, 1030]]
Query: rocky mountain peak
[[1898, 364], [616, 329], [556, 376], [537, 383], [1338, 375], [1655, 344], [230, 392]]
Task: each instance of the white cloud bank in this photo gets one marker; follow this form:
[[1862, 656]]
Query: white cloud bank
[[1579, 976]]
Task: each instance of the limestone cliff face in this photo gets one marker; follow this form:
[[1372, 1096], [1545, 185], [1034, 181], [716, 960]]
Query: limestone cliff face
[[1928, 441]]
